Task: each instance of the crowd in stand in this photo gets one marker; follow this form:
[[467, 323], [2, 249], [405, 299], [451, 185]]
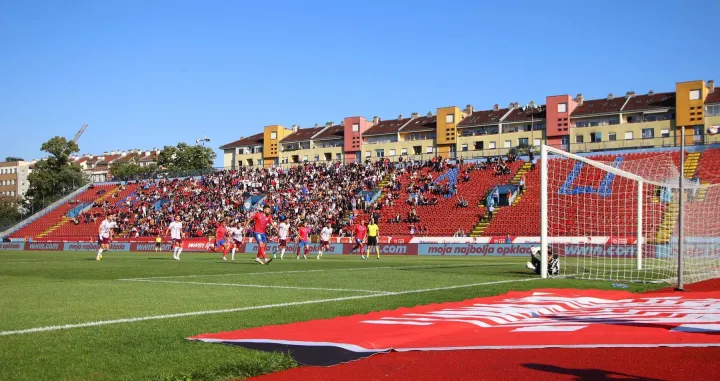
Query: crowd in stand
[[315, 193]]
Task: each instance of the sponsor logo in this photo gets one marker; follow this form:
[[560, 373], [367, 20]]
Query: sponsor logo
[[87, 246], [542, 318], [151, 247], [598, 251], [475, 249], [393, 249], [51, 246], [12, 246]]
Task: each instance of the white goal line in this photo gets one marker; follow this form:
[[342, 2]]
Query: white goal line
[[324, 270], [250, 308], [255, 286]]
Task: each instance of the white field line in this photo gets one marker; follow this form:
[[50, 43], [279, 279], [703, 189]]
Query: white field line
[[256, 286], [250, 308], [324, 270]]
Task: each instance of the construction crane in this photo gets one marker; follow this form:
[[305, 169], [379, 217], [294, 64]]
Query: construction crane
[[79, 133]]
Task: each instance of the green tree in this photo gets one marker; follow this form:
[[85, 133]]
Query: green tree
[[131, 170], [13, 158], [55, 175], [184, 157], [9, 208]]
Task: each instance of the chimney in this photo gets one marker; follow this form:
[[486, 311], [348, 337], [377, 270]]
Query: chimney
[[294, 128], [496, 107], [630, 94], [580, 99], [429, 114], [469, 110], [123, 153], [329, 124], [399, 116], [147, 153], [610, 96], [317, 125], [414, 115], [711, 86], [376, 119], [651, 92]]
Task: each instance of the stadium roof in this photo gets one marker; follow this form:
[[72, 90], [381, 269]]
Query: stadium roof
[[250, 141], [385, 127], [650, 101], [484, 117], [334, 132], [423, 123], [525, 114]]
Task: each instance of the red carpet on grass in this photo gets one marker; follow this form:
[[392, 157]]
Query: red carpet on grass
[[657, 323]]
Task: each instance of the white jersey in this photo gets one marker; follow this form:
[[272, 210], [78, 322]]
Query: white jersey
[[175, 230], [105, 227], [236, 234], [325, 234], [283, 230]]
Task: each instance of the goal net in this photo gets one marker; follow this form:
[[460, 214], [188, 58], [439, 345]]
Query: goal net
[[617, 217]]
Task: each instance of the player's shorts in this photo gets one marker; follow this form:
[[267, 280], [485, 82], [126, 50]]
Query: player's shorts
[[237, 242], [372, 241], [220, 242], [158, 244], [303, 244], [177, 241], [103, 241], [324, 243], [358, 241], [260, 238], [282, 243]]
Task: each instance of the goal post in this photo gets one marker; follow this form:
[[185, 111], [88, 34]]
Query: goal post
[[616, 217]]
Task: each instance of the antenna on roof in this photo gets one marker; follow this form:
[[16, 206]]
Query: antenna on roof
[[203, 140]]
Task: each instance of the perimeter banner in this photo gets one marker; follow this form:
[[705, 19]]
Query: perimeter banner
[[87, 246], [558, 318]]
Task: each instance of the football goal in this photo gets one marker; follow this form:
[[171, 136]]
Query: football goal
[[620, 217]]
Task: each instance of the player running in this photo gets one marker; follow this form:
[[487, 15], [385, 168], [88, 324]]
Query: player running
[[220, 239], [105, 234], [176, 236], [359, 231], [261, 220], [236, 234], [283, 230], [372, 240], [303, 240], [325, 234]]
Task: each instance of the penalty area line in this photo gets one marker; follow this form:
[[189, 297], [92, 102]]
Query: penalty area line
[[253, 285], [250, 308]]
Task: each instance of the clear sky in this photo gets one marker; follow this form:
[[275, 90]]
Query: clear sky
[[149, 73]]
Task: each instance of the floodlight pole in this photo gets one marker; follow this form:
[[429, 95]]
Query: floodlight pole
[[681, 214]]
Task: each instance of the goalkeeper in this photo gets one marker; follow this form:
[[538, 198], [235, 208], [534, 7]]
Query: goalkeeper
[[535, 263]]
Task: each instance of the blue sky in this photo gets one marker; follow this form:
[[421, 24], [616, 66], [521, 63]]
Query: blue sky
[[145, 74]]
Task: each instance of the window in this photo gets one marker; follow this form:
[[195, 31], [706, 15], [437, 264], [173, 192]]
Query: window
[[403, 151], [491, 145], [712, 110], [316, 158], [523, 141], [698, 134], [356, 127], [537, 142], [695, 94], [562, 107], [368, 154], [305, 158], [596, 137], [338, 156], [629, 135], [612, 136], [648, 133], [464, 147], [273, 135], [429, 149], [450, 118], [392, 152], [417, 150], [379, 153], [665, 133], [579, 139]]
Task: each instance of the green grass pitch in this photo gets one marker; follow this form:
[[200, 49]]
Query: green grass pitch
[[119, 327]]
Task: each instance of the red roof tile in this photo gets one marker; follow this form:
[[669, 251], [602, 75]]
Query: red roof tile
[[713, 97], [423, 123], [600, 106], [302, 134], [647, 102], [249, 141], [384, 127], [334, 132], [479, 118], [525, 115]]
